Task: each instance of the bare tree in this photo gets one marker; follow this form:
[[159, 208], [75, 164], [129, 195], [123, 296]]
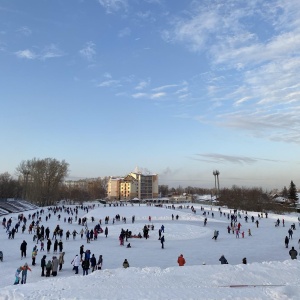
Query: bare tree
[[9, 187], [42, 179]]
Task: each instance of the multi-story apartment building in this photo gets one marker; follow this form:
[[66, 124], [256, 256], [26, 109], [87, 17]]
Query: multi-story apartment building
[[134, 185]]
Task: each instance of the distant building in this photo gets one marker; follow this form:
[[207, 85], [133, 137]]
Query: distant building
[[135, 185], [81, 184]]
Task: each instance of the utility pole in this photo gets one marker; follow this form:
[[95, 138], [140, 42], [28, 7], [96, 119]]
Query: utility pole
[[216, 174]]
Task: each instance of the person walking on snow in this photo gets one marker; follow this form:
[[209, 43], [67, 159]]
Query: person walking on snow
[[125, 264], [286, 241], [43, 265], [17, 275], [228, 229], [48, 268], [85, 266], [24, 273], [181, 260], [162, 240], [34, 254], [81, 251], [55, 246], [216, 233], [159, 234], [60, 246], [54, 265], [61, 260], [100, 262], [48, 245], [23, 248], [93, 262], [76, 263], [293, 253], [290, 232]]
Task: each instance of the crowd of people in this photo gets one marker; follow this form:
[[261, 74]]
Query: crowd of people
[[53, 260]]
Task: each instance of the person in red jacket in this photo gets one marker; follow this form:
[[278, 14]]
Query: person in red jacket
[[181, 260]]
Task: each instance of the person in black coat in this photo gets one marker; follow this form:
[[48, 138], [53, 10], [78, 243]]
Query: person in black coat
[[23, 248], [286, 241], [43, 265], [93, 262], [162, 240], [85, 266], [49, 243], [60, 246], [293, 253], [223, 260], [55, 246], [81, 251], [100, 262]]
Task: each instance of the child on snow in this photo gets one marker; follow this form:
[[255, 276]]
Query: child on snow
[[17, 275], [34, 254]]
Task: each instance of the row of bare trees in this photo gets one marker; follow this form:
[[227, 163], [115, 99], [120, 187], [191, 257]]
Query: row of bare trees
[[92, 189], [243, 198], [9, 187], [42, 181]]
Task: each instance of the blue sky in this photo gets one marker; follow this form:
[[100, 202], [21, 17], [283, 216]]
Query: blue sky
[[178, 88]]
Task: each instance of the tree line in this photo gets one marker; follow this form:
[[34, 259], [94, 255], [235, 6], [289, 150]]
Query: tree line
[[42, 182], [242, 198]]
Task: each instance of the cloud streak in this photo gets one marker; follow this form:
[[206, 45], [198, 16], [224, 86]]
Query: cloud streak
[[27, 54], [88, 52], [112, 6], [222, 158], [25, 30], [257, 88], [50, 51]]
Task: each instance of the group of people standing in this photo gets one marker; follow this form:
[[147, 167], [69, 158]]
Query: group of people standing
[[86, 261], [52, 266]]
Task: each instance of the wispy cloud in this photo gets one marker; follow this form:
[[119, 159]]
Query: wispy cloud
[[28, 54], [257, 87], [111, 6], [194, 32], [142, 84], [182, 90], [139, 95], [149, 96], [124, 32], [25, 30], [88, 51], [109, 83], [51, 51], [157, 95], [222, 158], [164, 87]]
